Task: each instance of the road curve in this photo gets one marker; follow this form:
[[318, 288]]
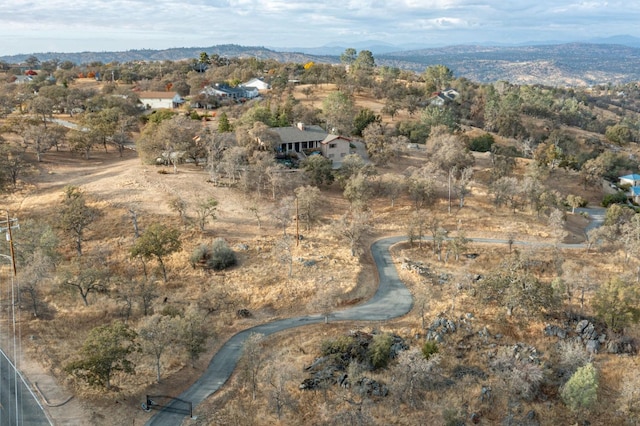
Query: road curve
[[391, 300]]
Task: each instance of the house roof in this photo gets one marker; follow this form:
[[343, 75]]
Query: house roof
[[257, 83], [633, 177], [331, 138], [294, 134], [635, 191], [157, 95]]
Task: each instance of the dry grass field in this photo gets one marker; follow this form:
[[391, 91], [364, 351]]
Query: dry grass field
[[260, 283]]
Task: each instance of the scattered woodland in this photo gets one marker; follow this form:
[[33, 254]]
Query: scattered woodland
[[148, 238]]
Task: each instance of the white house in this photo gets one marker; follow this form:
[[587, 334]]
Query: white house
[[335, 148], [227, 92], [257, 83], [634, 190], [155, 100], [632, 179]]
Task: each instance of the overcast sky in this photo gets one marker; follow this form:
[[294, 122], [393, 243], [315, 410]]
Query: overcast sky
[[33, 26]]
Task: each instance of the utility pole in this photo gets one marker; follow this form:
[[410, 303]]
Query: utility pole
[[6, 226], [297, 224]]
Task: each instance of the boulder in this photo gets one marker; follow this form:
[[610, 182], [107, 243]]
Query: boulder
[[243, 313], [581, 326], [371, 387], [592, 346]]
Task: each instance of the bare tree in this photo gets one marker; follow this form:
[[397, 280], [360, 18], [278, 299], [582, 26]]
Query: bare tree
[[86, 278], [157, 334], [416, 228], [505, 191], [461, 184], [195, 330], [556, 223], [284, 252], [283, 213], [393, 187], [253, 359], [205, 210], [76, 215], [411, 375], [308, 198], [179, 206], [278, 375], [629, 399], [32, 277], [351, 228]]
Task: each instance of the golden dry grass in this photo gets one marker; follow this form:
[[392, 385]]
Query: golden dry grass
[[261, 284]]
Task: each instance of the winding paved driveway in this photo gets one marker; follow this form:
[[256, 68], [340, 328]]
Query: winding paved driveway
[[391, 300]]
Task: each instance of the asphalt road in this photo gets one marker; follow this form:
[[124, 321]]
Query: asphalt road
[[25, 410], [391, 300]]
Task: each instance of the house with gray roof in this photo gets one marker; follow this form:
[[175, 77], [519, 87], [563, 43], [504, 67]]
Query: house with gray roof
[[300, 137], [227, 92]]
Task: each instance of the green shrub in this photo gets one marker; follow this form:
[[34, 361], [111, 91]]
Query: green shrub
[[617, 198], [380, 350], [340, 345], [482, 143], [221, 255], [581, 391], [217, 256], [429, 348]]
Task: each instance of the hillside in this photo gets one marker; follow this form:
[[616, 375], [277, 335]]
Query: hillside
[[503, 353], [575, 64]]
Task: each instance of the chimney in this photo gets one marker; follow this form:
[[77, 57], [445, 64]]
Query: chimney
[[300, 126]]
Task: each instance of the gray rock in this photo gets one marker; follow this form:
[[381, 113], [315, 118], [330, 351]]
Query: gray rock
[[589, 332], [581, 326], [593, 346], [562, 333], [613, 347], [371, 387], [242, 247], [485, 393], [243, 313], [309, 263]]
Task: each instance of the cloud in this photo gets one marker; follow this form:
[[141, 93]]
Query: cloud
[[125, 24]]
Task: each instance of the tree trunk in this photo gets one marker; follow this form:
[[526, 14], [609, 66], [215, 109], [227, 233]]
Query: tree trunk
[[79, 245], [84, 297], [164, 271]]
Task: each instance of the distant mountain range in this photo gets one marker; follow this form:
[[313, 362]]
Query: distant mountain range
[[610, 60]]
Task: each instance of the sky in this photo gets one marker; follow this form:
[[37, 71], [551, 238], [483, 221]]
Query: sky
[[33, 26]]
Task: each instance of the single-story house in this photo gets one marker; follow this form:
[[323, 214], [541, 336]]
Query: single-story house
[[22, 79], [257, 83], [300, 137], [155, 100], [228, 92], [336, 147], [441, 98], [633, 180]]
